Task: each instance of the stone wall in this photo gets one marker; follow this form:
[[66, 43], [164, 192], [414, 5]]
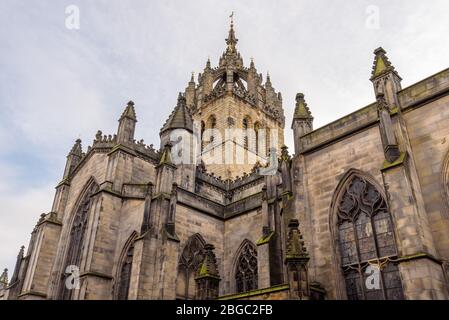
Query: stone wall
[[428, 129]]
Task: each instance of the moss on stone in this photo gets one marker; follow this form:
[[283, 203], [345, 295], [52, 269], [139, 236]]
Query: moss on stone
[[388, 165], [265, 240]]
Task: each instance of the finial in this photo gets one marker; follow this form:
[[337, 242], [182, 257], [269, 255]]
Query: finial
[[130, 103], [299, 97], [231, 41], [192, 79], [268, 82]]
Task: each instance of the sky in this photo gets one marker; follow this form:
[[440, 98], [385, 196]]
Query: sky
[[59, 83]]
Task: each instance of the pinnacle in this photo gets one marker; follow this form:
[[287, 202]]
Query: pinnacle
[[295, 244], [76, 149], [381, 64], [180, 118], [129, 112], [301, 109]]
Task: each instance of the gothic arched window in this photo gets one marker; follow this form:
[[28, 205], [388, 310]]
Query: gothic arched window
[[256, 129], [267, 141], [124, 277], [211, 124], [246, 278], [203, 128], [191, 258], [246, 125], [76, 237], [367, 242]]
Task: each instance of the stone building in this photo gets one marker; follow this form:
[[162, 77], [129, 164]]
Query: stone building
[[360, 211]]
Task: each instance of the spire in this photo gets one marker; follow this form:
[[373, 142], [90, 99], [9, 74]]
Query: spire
[[208, 63], [251, 64], [180, 118], [231, 40], [129, 111], [301, 110], [381, 64], [192, 78]]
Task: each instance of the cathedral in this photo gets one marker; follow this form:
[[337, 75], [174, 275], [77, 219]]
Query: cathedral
[[222, 210]]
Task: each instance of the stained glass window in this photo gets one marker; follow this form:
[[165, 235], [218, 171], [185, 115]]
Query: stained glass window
[[76, 238], [191, 258], [246, 272], [367, 243]]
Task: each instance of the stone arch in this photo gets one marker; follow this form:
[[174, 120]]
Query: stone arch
[[75, 244], [245, 268], [211, 125], [363, 234], [124, 267], [191, 257], [211, 122]]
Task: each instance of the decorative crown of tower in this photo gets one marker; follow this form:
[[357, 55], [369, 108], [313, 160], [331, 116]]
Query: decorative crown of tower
[[231, 77]]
